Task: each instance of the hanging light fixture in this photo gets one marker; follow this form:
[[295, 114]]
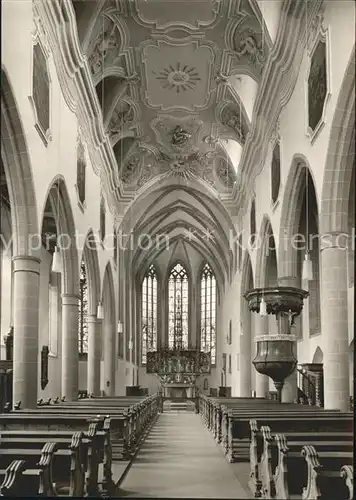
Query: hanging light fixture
[[263, 307], [100, 311], [307, 270], [119, 327], [57, 259], [130, 344]]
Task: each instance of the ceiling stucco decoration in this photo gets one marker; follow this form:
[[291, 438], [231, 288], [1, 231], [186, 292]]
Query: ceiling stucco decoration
[[225, 173], [162, 75], [185, 13], [177, 135], [122, 120], [178, 75], [105, 48], [234, 122]]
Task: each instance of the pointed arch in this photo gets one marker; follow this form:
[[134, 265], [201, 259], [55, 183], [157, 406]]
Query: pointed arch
[[18, 172], [58, 196], [292, 206], [266, 246], [340, 157]]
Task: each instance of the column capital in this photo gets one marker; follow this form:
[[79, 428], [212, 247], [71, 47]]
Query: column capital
[[26, 263], [69, 299], [92, 318], [334, 239]]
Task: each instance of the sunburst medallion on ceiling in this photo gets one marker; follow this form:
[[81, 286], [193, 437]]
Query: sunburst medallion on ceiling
[[178, 78]]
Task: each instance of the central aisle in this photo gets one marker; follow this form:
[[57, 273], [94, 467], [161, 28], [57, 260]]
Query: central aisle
[[180, 459]]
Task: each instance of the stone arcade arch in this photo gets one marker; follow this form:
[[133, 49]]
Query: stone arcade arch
[[334, 256], [90, 257], [26, 263], [298, 233], [66, 242]]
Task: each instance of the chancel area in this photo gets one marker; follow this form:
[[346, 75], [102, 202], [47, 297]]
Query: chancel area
[[177, 247]]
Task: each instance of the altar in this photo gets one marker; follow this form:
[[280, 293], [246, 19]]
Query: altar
[[177, 371], [178, 390]]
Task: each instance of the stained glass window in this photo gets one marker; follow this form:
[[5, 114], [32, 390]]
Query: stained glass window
[[149, 313], [208, 312], [178, 308], [83, 311]]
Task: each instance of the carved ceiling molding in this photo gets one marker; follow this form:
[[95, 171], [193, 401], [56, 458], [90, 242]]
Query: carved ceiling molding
[[233, 120], [140, 11], [185, 82]]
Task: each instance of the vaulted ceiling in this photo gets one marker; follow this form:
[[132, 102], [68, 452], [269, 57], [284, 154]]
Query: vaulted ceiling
[[176, 81]]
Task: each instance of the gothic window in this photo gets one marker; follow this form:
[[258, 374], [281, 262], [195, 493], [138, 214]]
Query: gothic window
[[275, 173], [149, 313], [83, 311], [102, 218], [178, 308], [253, 222], [81, 166], [40, 89], [208, 312]]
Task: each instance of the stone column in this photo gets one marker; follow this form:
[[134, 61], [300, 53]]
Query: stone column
[[26, 317], [262, 381], [70, 357], [109, 355], [94, 354], [334, 320], [245, 353]]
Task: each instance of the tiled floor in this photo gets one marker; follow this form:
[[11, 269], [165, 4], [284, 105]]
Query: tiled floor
[[179, 459]]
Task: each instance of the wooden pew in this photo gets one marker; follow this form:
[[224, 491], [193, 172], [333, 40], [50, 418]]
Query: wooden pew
[[75, 419], [93, 450], [282, 453], [236, 439], [127, 425], [329, 473]]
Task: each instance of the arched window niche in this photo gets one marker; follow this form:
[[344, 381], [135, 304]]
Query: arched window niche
[[178, 308], [253, 223], [208, 312], [275, 173], [149, 313]]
